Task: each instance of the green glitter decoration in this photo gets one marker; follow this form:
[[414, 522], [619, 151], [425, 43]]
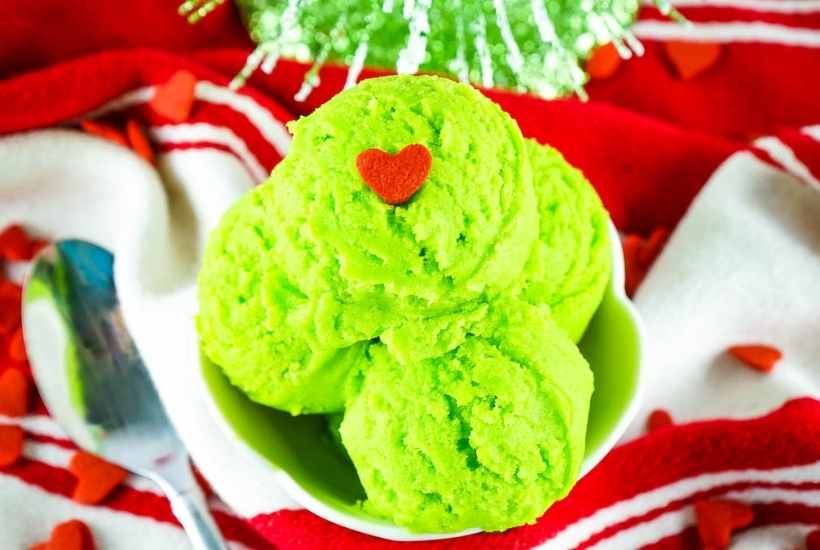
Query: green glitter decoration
[[533, 46]]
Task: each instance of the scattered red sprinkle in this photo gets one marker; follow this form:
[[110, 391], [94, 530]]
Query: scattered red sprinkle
[[174, 99], [15, 244], [639, 255], [69, 535], [104, 131], [139, 143], [659, 418], [604, 62], [96, 478], [17, 346], [11, 445], [757, 356], [395, 178], [15, 393], [813, 540], [718, 518], [691, 59]]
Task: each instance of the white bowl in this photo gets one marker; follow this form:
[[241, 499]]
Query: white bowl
[[310, 470]]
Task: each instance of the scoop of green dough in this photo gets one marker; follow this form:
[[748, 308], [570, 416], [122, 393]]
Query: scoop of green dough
[[571, 261], [487, 435]]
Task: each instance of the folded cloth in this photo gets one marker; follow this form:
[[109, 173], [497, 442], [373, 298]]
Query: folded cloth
[[739, 267]]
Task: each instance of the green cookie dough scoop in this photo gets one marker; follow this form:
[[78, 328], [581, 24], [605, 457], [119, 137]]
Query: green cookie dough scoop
[[487, 435], [571, 261]]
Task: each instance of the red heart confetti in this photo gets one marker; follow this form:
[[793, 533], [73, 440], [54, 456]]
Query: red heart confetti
[[69, 535], [395, 178], [105, 131], [639, 255], [15, 393], [813, 540], [15, 244], [11, 445], [659, 418], [604, 62], [96, 478], [760, 357], [175, 98], [692, 58], [718, 518], [139, 143]]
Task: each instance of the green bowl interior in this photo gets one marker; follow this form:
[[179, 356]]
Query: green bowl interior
[[303, 448]]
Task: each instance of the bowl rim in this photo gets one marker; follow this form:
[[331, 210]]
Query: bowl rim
[[389, 531]]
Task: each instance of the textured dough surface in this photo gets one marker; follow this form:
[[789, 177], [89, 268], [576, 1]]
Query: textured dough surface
[[487, 435]]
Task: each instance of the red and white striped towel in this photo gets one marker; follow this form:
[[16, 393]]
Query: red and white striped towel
[[729, 159]]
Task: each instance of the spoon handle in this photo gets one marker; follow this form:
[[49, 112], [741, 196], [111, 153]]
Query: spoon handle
[[177, 481], [189, 508]]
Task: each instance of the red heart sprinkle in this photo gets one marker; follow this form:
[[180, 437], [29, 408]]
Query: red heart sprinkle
[[757, 356], [718, 518], [175, 98], [813, 540], [69, 535], [139, 143], [15, 393], [15, 244], [96, 478], [692, 58], [105, 131], [11, 445], [659, 418], [395, 178], [603, 62]]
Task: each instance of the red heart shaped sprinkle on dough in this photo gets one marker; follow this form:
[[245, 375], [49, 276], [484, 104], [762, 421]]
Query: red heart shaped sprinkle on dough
[[395, 178]]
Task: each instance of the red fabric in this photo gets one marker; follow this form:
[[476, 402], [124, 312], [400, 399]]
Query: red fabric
[[647, 140], [788, 436]]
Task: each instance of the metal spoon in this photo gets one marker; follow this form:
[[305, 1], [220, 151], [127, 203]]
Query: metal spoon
[[94, 382]]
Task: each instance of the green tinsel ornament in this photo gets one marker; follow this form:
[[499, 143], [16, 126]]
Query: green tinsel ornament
[[525, 45]]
